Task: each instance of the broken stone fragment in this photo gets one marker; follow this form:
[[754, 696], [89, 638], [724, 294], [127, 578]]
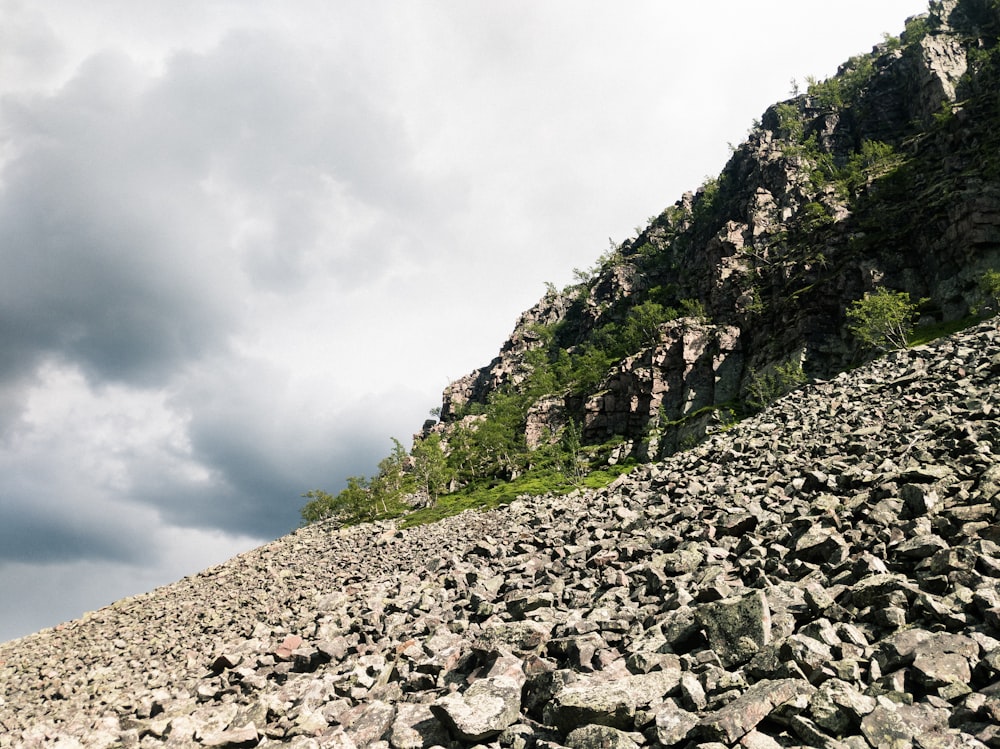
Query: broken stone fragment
[[837, 706], [608, 704], [231, 736], [371, 723], [885, 729], [520, 638], [673, 723], [415, 727], [737, 718], [736, 627], [599, 737], [919, 498], [287, 647], [488, 706]]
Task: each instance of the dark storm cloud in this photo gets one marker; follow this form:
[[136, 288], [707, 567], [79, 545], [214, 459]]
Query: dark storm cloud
[[104, 262], [41, 536], [49, 517], [264, 450]]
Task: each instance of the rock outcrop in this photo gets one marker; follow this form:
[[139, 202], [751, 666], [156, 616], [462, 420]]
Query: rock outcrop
[[883, 177], [824, 574]]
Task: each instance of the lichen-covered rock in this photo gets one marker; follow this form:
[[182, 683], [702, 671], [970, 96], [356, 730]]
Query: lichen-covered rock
[[736, 627]]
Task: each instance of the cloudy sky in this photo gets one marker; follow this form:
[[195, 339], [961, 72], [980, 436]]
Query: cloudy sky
[[244, 243]]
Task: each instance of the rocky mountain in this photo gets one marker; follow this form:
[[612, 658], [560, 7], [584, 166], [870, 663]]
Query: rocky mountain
[[825, 573], [883, 177], [818, 569]]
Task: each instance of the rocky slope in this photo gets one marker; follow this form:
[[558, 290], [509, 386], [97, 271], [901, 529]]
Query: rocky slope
[[823, 574], [885, 176]]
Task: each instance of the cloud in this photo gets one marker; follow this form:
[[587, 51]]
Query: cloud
[[107, 250], [30, 50], [68, 470], [38, 596]]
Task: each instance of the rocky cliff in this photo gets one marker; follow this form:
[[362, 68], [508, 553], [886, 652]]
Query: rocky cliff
[[826, 573], [884, 177]]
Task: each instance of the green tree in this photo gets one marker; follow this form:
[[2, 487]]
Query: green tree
[[430, 466], [642, 326], [321, 505], [388, 485], [573, 466], [352, 505], [882, 319], [500, 438], [694, 308]]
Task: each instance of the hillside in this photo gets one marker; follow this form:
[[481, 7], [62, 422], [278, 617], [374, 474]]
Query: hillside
[[823, 574], [883, 179], [719, 519]]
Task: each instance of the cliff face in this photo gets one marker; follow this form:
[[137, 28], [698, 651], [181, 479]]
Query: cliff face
[[886, 176]]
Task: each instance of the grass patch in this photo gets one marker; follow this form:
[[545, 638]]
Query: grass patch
[[926, 333], [504, 492]]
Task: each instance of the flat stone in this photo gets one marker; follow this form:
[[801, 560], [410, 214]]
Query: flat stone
[[885, 729], [231, 736], [416, 727], [599, 737], [602, 704], [371, 724], [737, 718], [287, 647]]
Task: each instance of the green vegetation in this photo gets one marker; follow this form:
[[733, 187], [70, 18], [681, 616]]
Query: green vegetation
[[791, 125], [851, 192], [495, 494], [922, 334], [836, 92], [364, 499], [883, 319], [766, 387], [916, 29], [989, 293]]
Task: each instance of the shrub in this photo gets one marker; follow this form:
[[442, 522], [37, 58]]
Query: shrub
[[767, 387], [790, 123], [989, 292], [694, 308], [883, 319], [352, 505]]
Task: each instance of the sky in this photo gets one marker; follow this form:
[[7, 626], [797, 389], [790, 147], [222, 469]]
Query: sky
[[243, 244]]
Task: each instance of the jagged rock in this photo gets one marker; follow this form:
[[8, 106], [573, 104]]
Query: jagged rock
[[838, 706], [488, 706], [415, 727], [599, 737], [673, 723], [231, 737], [736, 627], [370, 724], [736, 719]]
